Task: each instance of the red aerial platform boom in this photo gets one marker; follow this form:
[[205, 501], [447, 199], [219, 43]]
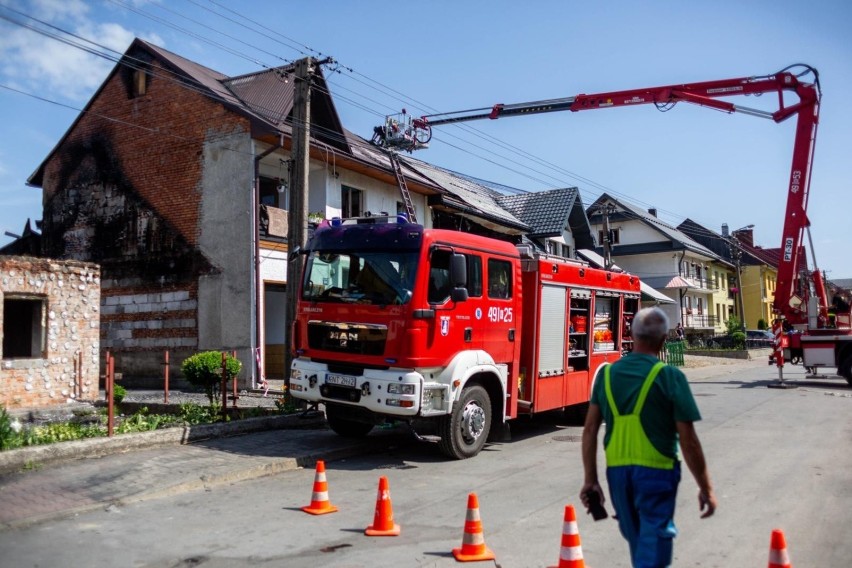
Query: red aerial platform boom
[[827, 336], [790, 298]]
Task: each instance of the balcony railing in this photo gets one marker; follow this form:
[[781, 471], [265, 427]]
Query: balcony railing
[[699, 321], [703, 283]]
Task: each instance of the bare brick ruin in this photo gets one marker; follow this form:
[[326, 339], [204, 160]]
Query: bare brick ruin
[[50, 313]]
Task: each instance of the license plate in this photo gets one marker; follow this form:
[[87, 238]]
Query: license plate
[[342, 380]]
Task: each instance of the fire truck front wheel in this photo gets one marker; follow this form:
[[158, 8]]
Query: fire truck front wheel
[[464, 432], [342, 426]]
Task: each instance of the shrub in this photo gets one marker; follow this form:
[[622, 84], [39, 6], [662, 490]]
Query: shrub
[[8, 437], [191, 413], [739, 339], [141, 421], [734, 324], [204, 370], [118, 393]]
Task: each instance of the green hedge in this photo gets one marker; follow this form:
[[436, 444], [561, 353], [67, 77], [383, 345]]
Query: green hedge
[[204, 370]]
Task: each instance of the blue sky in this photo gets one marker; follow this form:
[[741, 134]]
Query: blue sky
[[443, 56]]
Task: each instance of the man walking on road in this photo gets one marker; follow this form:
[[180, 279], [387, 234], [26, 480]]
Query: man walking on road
[[647, 407]]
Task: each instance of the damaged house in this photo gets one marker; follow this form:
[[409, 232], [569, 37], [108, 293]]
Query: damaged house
[[174, 180]]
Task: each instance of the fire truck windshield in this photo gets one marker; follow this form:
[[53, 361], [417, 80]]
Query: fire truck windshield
[[363, 277]]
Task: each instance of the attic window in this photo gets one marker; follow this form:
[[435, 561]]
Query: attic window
[[614, 236], [24, 327], [140, 83]]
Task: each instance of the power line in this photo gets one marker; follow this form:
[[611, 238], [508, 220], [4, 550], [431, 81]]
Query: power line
[[497, 160]]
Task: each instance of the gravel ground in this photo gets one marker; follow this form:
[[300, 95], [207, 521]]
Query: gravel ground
[[697, 361], [247, 399]]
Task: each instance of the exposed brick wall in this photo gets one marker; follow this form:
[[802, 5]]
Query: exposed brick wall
[[123, 190], [147, 147], [71, 292], [136, 316]]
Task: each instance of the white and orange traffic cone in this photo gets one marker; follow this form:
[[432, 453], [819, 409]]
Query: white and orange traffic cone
[[473, 542], [320, 505], [778, 557], [571, 553], [383, 524]]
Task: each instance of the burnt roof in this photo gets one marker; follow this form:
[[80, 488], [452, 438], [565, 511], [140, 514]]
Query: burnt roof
[[266, 98]]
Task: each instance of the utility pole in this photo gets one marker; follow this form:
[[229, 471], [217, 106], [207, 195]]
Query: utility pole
[[737, 253], [298, 211], [606, 211]]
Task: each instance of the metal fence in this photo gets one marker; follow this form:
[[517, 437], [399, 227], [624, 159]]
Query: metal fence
[[672, 353]]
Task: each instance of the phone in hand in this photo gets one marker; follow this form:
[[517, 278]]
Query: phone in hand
[[595, 507]]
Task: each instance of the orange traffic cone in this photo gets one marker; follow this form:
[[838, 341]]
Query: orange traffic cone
[[320, 504], [571, 553], [383, 524], [473, 543], [778, 557]]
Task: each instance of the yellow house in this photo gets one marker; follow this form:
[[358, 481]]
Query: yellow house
[[722, 305], [758, 294]]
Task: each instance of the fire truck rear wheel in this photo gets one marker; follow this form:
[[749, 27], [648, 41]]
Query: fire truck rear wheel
[[464, 432], [344, 427]]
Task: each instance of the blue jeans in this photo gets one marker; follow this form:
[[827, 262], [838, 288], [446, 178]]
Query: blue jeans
[[644, 502]]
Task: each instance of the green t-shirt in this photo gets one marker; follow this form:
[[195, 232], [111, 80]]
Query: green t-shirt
[[670, 399]]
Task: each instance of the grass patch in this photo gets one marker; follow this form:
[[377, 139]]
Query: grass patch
[[93, 424]]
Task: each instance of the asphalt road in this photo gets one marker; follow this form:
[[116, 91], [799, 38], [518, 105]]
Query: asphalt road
[[778, 459]]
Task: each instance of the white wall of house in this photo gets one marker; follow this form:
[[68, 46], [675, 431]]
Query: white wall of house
[[378, 196], [634, 232], [648, 265], [273, 266]]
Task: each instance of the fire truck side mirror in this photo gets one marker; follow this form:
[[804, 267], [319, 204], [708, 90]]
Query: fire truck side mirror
[[458, 270], [459, 294]]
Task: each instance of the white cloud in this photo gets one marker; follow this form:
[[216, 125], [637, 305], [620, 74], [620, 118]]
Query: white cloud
[[55, 10], [36, 63]]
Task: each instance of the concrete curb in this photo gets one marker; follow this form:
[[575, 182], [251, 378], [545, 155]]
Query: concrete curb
[[14, 460]]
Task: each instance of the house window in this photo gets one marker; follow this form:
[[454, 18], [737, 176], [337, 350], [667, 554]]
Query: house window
[[352, 202], [273, 192], [614, 236], [140, 82], [24, 327]]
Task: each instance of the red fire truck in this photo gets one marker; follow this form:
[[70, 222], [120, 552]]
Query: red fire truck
[[398, 322]]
